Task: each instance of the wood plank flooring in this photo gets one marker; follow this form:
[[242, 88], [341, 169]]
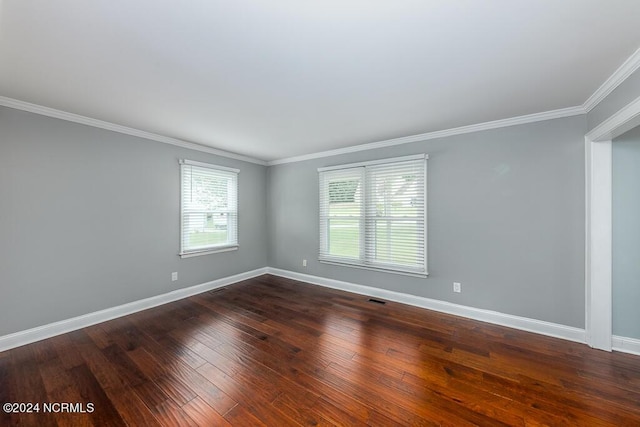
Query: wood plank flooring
[[276, 352]]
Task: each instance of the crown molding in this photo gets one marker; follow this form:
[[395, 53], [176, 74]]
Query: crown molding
[[625, 119], [529, 118], [623, 72], [620, 75], [76, 118]]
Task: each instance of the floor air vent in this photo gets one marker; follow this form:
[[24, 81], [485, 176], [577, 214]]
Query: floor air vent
[[377, 301]]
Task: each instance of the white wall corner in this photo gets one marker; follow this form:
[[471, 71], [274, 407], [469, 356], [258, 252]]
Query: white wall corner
[[530, 325], [598, 212], [622, 121], [598, 245]]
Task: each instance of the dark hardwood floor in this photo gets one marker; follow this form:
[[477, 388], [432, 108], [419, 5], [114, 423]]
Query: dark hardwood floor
[[276, 352]]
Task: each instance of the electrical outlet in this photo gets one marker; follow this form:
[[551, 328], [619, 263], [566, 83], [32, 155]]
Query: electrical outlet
[[174, 276], [457, 287], [304, 262]]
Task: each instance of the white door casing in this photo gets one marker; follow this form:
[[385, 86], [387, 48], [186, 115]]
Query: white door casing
[[598, 242]]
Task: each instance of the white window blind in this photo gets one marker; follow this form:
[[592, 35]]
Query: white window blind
[[373, 215], [209, 208]]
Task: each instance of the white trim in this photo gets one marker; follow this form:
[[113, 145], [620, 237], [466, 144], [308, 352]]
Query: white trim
[[364, 260], [530, 118], [623, 72], [598, 253], [598, 316], [18, 339], [517, 322], [623, 120], [426, 218], [626, 345], [191, 254], [232, 240], [76, 118], [587, 239], [208, 165], [375, 162], [378, 269], [620, 75]]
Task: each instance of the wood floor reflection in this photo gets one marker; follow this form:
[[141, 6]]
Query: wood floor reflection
[[277, 352]]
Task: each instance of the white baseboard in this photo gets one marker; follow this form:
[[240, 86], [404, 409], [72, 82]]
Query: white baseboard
[[47, 331], [517, 322], [18, 339], [626, 345]]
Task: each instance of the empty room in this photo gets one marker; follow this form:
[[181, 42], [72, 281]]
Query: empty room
[[345, 213]]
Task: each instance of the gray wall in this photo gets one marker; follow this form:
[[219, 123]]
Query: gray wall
[[89, 219], [626, 234], [621, 96], [506, 219]]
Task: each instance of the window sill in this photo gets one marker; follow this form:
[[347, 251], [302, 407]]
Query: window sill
[[378, 269], [208, 251]]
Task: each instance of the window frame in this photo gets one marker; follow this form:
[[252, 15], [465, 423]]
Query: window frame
[[210, 249], [364, 262]]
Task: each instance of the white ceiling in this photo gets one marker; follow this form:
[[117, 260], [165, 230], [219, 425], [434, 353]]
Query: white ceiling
[[282, 78]]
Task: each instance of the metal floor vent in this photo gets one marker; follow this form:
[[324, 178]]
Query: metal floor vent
[[377, 301]]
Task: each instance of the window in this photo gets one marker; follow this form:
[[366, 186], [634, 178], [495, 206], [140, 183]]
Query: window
[[209, 208], [373, 215]]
